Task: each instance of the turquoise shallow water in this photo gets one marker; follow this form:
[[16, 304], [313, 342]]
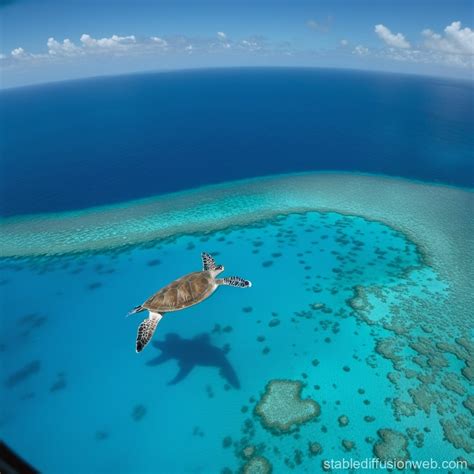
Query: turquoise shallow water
[[328, 292]]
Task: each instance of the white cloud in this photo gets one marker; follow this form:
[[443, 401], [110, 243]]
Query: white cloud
[[251, 44], [18, 53], [159, 41], [360, 50], [66, 48], [395, 40], [456, 40], [344, 42], [223, 40], [115, 42]]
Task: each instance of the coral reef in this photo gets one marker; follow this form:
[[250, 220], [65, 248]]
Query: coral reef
[[257, 465], [314, 448], [348, 445], [458, 431], [281, 407], [392, 446], [343, 420]]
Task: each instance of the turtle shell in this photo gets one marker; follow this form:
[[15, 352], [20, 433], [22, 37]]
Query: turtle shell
[[182, 293]]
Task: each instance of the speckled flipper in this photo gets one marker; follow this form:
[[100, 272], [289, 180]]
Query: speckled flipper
[[234, 281], [146, 330], [208, 263]]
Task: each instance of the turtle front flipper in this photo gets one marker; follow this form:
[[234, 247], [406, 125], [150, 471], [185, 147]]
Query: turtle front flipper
[[208, 262], [234, 281], [147, 329]]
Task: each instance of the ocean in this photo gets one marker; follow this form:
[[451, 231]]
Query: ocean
[[344, 197], [98, 141]]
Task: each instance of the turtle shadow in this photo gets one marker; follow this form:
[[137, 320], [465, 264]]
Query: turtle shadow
[[190, 353], [23, 374]]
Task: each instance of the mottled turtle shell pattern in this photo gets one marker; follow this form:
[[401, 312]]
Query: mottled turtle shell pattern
[[182, 293]]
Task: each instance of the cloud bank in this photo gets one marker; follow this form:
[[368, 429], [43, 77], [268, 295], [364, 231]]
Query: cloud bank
[[452, 48], [456, 40], [117, 45]]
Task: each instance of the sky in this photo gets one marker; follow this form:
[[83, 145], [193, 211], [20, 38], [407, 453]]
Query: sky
[[51, 40]]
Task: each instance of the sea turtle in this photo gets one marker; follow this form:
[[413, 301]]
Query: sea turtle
[[182, 293]]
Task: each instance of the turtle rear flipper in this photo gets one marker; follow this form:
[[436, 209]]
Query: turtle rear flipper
[[147, 329], [137, 309]]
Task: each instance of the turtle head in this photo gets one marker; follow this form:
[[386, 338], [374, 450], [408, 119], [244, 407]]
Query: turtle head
[[218, 269]]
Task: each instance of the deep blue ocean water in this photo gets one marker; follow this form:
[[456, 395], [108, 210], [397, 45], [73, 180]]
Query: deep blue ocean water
[[83, 143]]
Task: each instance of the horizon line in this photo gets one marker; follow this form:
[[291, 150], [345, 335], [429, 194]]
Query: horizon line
[[236, 67]]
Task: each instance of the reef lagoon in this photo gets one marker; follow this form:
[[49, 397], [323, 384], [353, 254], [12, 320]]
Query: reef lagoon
[[355, 339]]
